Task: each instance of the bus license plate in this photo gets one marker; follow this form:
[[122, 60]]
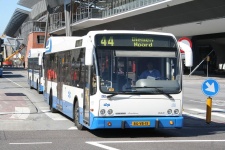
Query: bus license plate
[[141, 123]]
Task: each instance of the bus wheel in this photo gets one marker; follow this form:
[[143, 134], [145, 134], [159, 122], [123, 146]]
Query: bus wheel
[[76, 117], [39, 92], [53, 110], [30, 85]]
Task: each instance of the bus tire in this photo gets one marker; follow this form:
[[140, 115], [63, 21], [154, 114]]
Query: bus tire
[[53, 110], [39, 92], [76, 117], [30, 85]]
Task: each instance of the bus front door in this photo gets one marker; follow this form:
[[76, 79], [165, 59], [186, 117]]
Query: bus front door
[[59, 83], [86, 99]]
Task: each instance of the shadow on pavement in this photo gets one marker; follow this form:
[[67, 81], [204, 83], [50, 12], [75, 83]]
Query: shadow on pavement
[[13, 76], [192, 127], [7, 72], [7, 69]]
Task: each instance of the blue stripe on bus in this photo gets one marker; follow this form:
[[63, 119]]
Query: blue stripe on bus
[[41, 88], [34, 85], [116, 122]]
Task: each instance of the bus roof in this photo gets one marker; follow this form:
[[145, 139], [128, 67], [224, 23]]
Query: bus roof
[[34, 52], [127, 32], [60, 43]]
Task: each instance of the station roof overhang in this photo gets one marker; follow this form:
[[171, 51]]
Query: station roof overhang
[[28, 3], [17, 19], [182, 18]]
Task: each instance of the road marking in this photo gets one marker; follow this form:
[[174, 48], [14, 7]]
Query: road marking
[[100, 143], [97, 144], [215, 102], [218, 109], [30, 143], [14, 83], [213, 113], [197, 110], [21, 113], [45, 111], [73, 128], [53, 116], [192, 115]]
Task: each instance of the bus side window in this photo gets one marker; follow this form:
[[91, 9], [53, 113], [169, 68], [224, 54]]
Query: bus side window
[[93, 80], [81, 68]]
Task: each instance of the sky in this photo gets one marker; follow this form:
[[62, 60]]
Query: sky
[[7, 8]]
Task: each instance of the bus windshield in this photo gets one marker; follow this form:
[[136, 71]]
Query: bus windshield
[[144, 70]]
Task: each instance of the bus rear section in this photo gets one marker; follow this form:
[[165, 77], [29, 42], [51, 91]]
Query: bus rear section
[[117, 79], [35, 69]]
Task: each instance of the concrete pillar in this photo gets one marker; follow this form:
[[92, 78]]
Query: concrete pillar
[[67, 12]]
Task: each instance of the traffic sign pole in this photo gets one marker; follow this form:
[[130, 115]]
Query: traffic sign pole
[[210, 87], [208, 109]]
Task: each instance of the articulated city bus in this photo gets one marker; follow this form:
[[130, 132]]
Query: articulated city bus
[[98, 80], [35, 69]]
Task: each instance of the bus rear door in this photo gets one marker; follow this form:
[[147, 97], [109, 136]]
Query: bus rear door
[[60, 76]]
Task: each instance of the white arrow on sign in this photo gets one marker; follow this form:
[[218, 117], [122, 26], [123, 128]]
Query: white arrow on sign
[[211, 88]]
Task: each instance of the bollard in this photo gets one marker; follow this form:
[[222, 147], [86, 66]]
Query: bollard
[[208, 109]]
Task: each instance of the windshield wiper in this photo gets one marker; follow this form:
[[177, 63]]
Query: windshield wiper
[[109, 96], [122, 92], [161, 91], [158, 90]]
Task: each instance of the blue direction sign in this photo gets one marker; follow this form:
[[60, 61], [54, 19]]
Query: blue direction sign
[[210, 87]]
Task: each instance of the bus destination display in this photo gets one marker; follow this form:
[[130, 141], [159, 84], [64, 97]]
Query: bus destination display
[[134, 40]]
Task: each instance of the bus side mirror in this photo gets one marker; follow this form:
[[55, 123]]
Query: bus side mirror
[[89, 51], [89, 57], [188, 54]]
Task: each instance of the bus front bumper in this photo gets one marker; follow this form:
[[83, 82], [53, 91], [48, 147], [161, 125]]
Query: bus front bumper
[[137, 122]]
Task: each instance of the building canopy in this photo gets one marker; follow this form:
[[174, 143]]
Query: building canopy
[[28, 3], [17, 19]]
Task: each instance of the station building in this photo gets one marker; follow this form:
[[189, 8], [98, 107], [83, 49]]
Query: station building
[[201, 21]]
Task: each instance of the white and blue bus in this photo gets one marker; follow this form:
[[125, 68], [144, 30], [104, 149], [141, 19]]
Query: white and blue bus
[[96, 79], [35, 69]]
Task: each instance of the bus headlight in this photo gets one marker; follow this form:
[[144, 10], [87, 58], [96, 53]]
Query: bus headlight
[[169, 111], [102, 111], [176, 111], [110, 111]]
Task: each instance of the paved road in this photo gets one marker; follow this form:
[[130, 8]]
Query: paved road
[[195, 100], [24, 109]]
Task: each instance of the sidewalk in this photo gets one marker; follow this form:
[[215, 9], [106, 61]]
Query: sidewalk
[[200, 75], [204, 77]]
